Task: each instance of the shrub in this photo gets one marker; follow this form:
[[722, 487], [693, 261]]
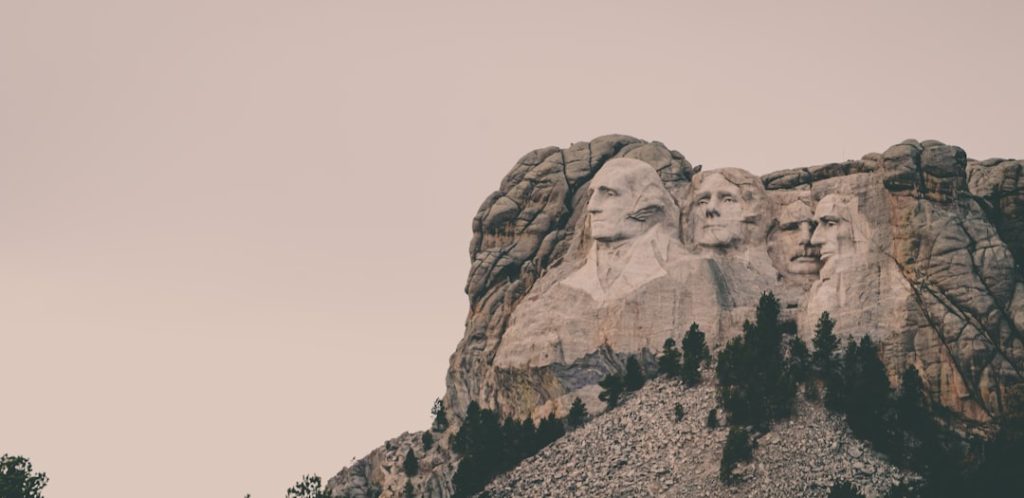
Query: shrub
[[428, 441], [712, 422]]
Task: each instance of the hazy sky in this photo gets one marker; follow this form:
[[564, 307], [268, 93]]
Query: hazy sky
[[233, 234]]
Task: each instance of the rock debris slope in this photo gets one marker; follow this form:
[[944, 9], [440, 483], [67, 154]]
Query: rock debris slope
[[639, 449]]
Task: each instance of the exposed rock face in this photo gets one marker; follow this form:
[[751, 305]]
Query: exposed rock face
[[640, 450], [894, 245], [588, 254]]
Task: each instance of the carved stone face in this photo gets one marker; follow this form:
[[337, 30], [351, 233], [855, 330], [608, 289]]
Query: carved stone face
[[627, 199], [834, 234], [790, 241], [719, 212]]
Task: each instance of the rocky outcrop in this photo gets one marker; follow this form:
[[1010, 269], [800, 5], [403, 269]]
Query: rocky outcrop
[[604, 249], [381, 473], [639, 449]]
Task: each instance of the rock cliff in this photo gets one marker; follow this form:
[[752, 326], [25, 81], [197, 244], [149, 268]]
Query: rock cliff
[[606, 248]]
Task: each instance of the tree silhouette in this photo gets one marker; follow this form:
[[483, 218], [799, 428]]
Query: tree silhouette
[[440, 423], [737, 449], [577, 414], [17, 480], [695, 352], [753, 382], [612, 390], [823, 360], [634, 378], [308, 487], [411, 465], [668, 362], [712, 421]]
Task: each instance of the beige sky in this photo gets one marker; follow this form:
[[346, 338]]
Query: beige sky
[[233, 234]]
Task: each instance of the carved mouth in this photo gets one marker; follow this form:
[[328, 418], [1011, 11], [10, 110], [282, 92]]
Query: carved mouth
[[806, 257]]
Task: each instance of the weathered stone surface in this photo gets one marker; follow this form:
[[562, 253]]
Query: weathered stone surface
[[574, 269], [381, 473]]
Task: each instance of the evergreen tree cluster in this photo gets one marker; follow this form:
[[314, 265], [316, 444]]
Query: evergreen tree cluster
[[489, 447], [695, 352], [901, 423], [614, 385], [758, 371]]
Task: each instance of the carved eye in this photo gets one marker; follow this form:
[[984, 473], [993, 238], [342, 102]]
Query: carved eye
[[702, 202], [830, 223], [730, 200]]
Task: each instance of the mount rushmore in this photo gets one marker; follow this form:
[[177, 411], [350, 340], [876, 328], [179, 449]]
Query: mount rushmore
[[604, 249]]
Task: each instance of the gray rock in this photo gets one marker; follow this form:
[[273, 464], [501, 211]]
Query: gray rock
[[924, 256]]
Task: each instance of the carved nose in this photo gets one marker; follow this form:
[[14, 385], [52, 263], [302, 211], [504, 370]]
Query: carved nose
[[805, 236], [816, 237], [711, 212]]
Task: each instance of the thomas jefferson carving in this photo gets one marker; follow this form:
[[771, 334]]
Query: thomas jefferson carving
[[726, 211]]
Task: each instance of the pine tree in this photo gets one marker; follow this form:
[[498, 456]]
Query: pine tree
[[823, 360], [753, 382], [411, 465], [408, 492], [911, 403], [577, 414], [612, 390], [798, 360], [737, 449], [440, 423], [668, 362], [866, 395], [695, 352], [679, 413], [839, 383], [549, 430], [428, 441], [480, 443], [634, 378]]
